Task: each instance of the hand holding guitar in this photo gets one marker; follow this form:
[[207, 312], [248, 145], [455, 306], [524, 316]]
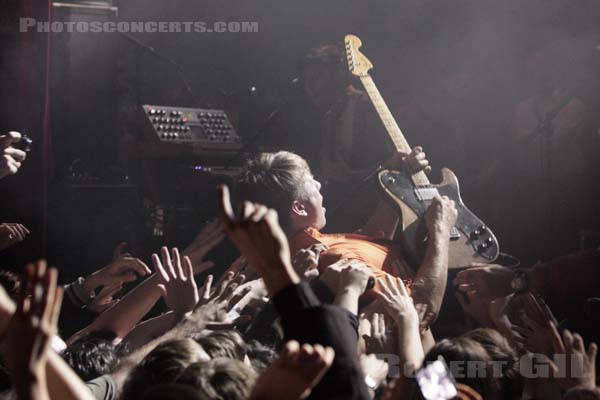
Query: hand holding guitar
[[416, 160], [441, 215]]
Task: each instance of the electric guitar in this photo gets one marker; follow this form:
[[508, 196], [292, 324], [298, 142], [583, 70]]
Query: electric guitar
[[470, 239]]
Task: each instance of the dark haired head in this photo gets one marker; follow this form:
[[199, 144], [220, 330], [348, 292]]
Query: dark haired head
[[10, 282], [91, 356], [498, 349], [260, 355], [467, 355]]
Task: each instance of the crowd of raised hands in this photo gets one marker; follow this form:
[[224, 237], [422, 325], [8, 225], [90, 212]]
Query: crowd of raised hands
[[270, 327]]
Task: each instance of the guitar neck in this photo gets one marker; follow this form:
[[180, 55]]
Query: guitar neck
[[392, 128]]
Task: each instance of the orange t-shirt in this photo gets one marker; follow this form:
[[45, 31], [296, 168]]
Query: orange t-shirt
[[382, 256]]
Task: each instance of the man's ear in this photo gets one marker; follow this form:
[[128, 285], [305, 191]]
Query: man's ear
[[298, 209]]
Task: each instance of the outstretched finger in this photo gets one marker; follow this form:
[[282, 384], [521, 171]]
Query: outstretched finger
[[205, 291], [47, 303], [55, 312], [557, 342], [225, 209], [189, 272], [159, 267], [166, 262], [178, 267], [139, 266], [591, 353]]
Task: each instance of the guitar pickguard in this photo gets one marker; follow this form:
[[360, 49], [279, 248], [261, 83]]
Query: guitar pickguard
[[473, 239]]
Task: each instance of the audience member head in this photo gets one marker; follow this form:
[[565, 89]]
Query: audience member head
[[172, 391], [162, 365], [470, 364], [91, 356], [283, 181], [220, 378], [226, 343], [582, 393], [498, 349]]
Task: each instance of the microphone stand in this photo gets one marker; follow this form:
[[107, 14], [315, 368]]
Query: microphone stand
[[545, 131], [251, 143]]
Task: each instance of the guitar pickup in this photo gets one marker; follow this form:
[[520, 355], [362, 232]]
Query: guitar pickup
[[454, 233], [426, 194]]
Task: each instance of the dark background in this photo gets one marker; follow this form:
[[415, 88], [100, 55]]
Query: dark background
[[462, 61]]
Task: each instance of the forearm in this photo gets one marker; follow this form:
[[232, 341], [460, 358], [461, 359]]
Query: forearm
[[124, 315], [63, 382], [347, 298], [410, 347], [33, 390], [384, 220], [429, 284], [150, 329]]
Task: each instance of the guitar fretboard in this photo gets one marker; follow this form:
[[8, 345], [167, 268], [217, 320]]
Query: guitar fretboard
[[396, 135]]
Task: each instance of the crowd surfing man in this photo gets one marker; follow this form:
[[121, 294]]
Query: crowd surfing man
[[283, 181]]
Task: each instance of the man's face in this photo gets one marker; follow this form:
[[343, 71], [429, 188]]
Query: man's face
[[312, 212]]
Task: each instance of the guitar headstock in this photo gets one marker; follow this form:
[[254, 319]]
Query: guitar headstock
[[358, 63]]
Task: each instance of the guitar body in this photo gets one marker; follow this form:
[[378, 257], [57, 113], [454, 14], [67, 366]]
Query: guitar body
[[471, 240]]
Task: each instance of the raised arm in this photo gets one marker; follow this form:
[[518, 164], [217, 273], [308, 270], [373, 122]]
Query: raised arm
[[430, 280], [46, 374]]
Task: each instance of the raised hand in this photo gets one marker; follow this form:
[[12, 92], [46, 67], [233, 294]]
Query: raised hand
[[580, 364], [375, 335], [295, 373], [123, 269], [176, 281], [11, 158], [210, 235], [396, 301], [11, 233], [353, 280], [533, 329], [27, 341], [217, 307], [259, 237], [306, 261], [374, 369], [331, 276], [484, 280], [105, 299]]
